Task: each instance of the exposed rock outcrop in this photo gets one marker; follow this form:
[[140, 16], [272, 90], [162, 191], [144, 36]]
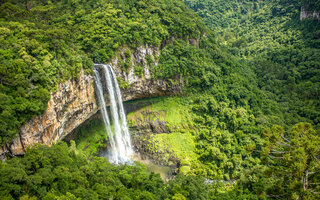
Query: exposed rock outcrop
[[307, 14], [74, 102], [3, 152], [145, 86], [143, 125]]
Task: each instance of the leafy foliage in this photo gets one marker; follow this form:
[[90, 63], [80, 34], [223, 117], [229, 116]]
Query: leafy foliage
[[62, 172], [281, 50], [251, 101], [293, 158], [46, 42]]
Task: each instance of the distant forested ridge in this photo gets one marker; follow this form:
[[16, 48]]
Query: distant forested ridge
[[283, 51], [284, 56]]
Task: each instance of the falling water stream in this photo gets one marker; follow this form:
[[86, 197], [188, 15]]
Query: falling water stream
[[118, 133]]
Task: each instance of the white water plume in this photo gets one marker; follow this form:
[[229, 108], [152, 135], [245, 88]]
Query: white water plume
[[119, 136]]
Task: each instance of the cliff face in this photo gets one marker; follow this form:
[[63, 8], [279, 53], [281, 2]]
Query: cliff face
[[144, 86], [305, 14], [74, 102]]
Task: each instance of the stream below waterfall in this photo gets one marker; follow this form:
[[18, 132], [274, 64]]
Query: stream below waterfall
[[166, 172]]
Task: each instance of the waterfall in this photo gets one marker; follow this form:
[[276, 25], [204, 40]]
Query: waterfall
[[104, 113], [124, 125], [119, 136]]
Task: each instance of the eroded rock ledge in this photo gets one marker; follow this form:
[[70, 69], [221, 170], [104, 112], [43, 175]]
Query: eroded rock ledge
[[306, 14], [75, 102]]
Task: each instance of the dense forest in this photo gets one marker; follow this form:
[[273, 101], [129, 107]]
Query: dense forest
[[249, 112], [282, 51], [46, 42], [62, 172]]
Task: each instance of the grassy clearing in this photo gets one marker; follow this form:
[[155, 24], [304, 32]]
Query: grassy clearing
[[181, 145], [169, 109]]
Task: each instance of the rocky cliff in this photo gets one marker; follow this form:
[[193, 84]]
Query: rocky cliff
[[74, 102], [308, 14], [144, 86]]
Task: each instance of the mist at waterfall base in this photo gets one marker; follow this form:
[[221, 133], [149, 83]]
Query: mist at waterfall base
[[116, 128]]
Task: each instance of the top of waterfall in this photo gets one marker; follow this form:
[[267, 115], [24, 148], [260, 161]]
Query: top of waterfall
[[100, 64]]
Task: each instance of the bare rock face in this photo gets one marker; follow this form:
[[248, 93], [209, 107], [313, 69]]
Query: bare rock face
[[74, 103], [3, 151], [150, 88], [305, 14]]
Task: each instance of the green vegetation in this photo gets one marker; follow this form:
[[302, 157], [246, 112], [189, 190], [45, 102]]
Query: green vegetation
[[311, 5], [181, 144], [198, 139], [138, 70], [46, 42], [264, 79], [281, 50], [248, 119], [296, 155], [232, 145], [122, 83], [62, 172], [91, 138], [170, 110], [174, 146], [271, 80]]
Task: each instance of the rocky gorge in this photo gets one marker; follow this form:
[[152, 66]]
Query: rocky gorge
[[74, 101]]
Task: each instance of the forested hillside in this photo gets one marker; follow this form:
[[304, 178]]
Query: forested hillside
[[282, 50], [247, 121], [46, 42], [62, 172], [283, 53]]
